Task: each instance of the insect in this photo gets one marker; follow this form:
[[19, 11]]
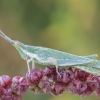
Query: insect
[[48, 56]]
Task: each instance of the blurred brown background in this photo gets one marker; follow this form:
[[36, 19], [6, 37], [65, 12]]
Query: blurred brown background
[[68, 25]]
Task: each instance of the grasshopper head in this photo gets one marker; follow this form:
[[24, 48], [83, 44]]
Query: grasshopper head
[[20, 48], [16, 44]]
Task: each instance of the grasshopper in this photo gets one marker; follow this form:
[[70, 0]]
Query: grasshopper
[[48, 56]]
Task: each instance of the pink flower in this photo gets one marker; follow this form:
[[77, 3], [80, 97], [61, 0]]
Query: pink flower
[[50, 72], [45, 86], [48, 81], [58, 88], [94, 83], [81, 75], [66, 76], [34, 76], [19, 85], [6, 92], [5, 80], [87, 92], [36, 89], [78, 87]]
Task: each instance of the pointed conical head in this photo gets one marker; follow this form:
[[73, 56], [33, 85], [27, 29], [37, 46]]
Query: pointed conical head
[[5, 37]]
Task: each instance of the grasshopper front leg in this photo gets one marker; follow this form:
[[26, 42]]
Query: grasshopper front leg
[[33, 64], [28, 61], [30, 58]]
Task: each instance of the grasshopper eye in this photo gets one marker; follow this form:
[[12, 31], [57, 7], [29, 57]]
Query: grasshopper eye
[[16, 44]]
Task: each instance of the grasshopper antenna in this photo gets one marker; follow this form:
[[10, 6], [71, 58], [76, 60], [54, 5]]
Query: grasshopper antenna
[[5, 37]]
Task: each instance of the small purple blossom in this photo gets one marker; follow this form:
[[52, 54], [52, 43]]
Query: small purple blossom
[[81, 75], [19, 85], [7, 94], [87, 92], [94, 83], [66, 75], [78, 87], [34, 76], [48, 81], [58, 88], [6, 91], [45, 86], [5, 80], [36, 89], [50, 72]]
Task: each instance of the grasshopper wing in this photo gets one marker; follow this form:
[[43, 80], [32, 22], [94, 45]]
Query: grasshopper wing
[[66, 59]]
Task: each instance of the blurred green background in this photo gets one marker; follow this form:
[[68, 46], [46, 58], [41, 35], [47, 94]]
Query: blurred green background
[[68, 25]]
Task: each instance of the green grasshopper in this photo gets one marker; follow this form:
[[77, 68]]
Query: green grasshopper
[[47, 56]]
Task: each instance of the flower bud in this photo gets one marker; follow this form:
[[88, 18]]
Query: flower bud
[[88, 91], [81, 75], [94, 83], [19, 85], [45, 86], [66, 76], [5, 80], [50, 72], [34, 76], [78, 87], [58, 88]]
